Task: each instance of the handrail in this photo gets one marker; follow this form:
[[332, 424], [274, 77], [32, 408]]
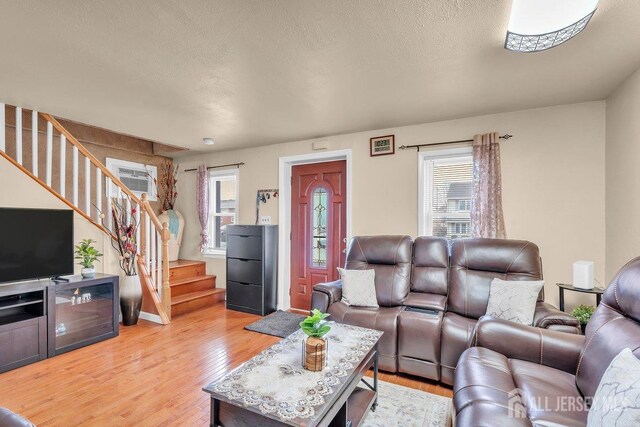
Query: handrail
[[97, 163], [154, 273], [62, 199]]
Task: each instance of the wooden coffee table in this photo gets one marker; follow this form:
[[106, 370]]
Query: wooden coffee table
[[273, 389]]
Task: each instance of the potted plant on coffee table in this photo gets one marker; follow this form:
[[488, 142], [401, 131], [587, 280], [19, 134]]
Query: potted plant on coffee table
[[88, 255], [315, 346]]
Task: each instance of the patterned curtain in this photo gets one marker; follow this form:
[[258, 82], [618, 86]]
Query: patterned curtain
[[487, 219], [202, 202]]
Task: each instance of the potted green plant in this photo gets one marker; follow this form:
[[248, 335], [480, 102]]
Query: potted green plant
[[583, 313], [315, 346], [88, 255]]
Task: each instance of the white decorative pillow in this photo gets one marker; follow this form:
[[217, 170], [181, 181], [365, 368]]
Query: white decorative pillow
[[617, 399], [359, 287], [514, 300]]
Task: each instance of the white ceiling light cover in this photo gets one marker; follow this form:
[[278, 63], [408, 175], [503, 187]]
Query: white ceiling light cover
[[537, 25]]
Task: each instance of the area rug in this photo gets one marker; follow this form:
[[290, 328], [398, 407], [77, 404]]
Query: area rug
[[406, 407], [279, 324]]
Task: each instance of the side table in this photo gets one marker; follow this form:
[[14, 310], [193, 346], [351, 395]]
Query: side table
[[565, 286]]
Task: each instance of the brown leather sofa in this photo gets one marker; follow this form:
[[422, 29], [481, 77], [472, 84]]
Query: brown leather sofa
[[431, 293], [517, 375], [11, 419]]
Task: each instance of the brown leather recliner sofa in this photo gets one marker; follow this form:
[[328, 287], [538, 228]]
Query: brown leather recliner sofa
[[431, 293], [517, 375]]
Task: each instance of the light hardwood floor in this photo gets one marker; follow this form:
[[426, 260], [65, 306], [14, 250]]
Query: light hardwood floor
[[150, 375]]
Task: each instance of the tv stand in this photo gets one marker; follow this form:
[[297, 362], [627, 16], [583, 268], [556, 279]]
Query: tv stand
[[23, 324], [44, 318]]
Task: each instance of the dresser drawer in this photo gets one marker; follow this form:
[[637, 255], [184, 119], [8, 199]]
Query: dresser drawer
[[245, 247], [244, 295], [244, 270], [244, 230]]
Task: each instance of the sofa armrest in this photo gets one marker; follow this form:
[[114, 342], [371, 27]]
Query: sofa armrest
[[548, 317], [547, 347], [325, 294]]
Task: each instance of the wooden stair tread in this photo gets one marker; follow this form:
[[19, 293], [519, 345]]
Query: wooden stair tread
[[195, 295], [192, 279], [184, 263]]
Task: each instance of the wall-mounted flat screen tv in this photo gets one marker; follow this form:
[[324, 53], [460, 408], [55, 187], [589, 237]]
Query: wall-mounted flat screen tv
[[35, 243]]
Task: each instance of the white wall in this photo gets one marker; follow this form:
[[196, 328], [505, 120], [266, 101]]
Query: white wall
[[18, 190], [553, 183], [623, 175]]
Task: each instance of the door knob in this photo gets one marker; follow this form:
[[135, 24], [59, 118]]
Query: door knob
[[344, 240]]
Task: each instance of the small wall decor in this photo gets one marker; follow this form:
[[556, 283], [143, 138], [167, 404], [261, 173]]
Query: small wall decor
[[382, 145], [262, 196]]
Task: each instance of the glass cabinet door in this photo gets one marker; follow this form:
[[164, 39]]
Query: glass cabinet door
[[83, 313]]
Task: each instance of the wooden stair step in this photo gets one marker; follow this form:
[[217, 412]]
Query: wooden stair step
[[195, 300], [184, 263], [188, 280], [192, 284], [185, 268], [195, 295]]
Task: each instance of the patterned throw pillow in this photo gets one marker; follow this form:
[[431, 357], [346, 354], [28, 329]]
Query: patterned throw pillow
[[617, 399], [359, 287], [514, 300]]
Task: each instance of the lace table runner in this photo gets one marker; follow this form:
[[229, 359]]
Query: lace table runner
[[275, 384]]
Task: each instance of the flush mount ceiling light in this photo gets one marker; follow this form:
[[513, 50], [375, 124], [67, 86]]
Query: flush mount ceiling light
[[537, 25], [208, 141]]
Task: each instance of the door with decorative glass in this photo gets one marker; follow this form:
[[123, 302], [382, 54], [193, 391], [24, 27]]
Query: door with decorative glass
[[318, 227]]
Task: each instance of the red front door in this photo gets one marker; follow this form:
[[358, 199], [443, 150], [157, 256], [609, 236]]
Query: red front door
[[318, 227]]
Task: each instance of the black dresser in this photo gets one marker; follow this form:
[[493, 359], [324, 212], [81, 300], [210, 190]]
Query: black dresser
[[252, 268]]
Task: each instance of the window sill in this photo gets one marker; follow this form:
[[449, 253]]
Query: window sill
[[215, 253]]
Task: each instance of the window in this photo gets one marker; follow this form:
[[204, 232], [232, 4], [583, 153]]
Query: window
[[319, 227], [223, 207], [445, 186]]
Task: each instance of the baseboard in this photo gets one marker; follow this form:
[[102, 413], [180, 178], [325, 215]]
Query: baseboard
[[150, 317]]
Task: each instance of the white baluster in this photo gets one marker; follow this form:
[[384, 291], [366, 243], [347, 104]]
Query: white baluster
[[159, 263], [3, 129], [87, 186], [34, 142], [147, 242], [109, 218], [49, 154], [75, 176], [153, 257], [19, 135], [63, 158], [98, 193], [127, 207], [138, 228]]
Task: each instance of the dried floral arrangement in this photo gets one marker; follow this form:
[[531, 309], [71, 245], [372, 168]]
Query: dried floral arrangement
[[166, 184], [124, 227]]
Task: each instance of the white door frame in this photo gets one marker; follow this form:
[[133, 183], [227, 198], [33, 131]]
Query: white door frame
[[284, 214]]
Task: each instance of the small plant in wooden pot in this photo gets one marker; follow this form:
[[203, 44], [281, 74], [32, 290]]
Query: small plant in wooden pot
[[88, 255], [315, 346]]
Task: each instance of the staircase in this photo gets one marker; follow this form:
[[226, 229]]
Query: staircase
[[191, 288], [51, 156]]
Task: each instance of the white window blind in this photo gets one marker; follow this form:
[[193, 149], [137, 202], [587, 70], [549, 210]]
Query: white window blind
[[223, 207], [445, 193]]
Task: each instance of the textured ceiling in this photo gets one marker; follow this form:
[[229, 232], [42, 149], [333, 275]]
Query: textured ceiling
[[254, 72]]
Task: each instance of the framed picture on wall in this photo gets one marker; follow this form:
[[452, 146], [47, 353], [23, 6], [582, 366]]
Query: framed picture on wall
[[382, 145]]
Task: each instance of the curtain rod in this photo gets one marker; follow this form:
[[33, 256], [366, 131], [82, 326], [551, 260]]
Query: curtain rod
[[217, 166], [404, 147]]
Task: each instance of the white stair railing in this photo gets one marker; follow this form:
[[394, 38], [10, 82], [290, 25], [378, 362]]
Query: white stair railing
[[152, 236]]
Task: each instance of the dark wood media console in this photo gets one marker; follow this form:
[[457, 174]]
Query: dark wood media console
[[43, 318]]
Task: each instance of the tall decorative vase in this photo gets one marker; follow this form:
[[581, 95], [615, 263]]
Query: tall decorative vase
[[130, 300], [176, 229]]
